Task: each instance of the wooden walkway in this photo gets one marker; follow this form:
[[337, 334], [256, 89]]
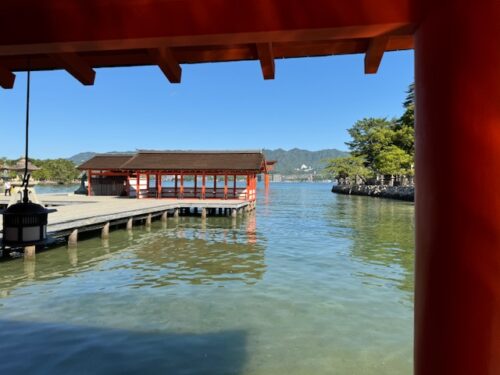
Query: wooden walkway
[[76, 213]]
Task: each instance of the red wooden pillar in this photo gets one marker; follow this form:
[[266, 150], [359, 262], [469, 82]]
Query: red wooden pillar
[[138, 185], [215, 186], [266, 181], [203, 187], [158, 179], [225, 186], [195, 186], [457, 288], [147, 184], [234, 187], [182, 184], [248, 187], [89, 182], [175, 186]]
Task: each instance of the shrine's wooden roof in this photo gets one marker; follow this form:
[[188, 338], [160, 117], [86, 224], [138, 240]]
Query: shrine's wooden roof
[[79, 36], [210, 161]]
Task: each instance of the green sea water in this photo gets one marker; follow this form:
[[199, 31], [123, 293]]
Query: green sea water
[[312, 283]]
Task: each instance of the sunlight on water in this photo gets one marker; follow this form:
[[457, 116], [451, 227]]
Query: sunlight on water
[[314, 283]]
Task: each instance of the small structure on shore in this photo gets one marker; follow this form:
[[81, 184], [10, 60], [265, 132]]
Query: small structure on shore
[[176, 174]]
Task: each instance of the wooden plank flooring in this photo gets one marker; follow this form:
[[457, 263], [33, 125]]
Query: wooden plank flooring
[[88, 213]]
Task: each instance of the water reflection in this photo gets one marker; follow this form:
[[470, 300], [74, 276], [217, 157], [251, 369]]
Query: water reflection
[[381, 234], [183, 250], [201, 252]]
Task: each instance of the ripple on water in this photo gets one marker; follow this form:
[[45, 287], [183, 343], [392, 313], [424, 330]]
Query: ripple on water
[[313, 284]]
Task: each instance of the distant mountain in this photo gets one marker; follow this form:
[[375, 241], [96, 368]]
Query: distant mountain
[[289, 161], [296, 160], [82, 157]]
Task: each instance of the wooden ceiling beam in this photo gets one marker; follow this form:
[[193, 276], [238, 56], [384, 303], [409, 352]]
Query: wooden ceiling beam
[[266, 57], [374, 54], [75, 66], [7, 78], [164, 58]]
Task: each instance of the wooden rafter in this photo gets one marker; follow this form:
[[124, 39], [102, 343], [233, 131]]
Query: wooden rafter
[[374, 54], [164, 58], [75, 66], [266, 57], [7, 78]]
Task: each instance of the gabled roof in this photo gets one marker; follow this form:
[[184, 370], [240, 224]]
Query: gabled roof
[[251, 161], [106, 161], [196, 160]]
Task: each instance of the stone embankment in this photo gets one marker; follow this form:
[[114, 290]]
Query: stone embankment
[[404, 193]]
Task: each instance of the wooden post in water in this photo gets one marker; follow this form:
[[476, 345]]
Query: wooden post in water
[[29, 251], [203, 213], [130, 223], [164, 216], [234, 212], [176, 212], [105, 231], [73, 237]]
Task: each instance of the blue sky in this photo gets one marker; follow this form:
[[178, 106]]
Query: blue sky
[[309, 105]]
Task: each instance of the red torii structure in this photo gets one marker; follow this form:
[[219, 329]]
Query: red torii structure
[[457, 60]]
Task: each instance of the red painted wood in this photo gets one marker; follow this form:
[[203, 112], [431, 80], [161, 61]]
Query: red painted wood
[[89, 182], [457, 291], [188, 20], [225, 186], [203, 187]]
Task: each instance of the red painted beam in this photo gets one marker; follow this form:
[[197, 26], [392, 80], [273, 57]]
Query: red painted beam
[[374, 54], [75, 66], [165, 59], [266, 57], [54, 26], [7, 78]]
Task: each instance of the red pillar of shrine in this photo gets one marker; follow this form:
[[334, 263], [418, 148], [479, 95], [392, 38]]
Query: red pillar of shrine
[[457, 291]]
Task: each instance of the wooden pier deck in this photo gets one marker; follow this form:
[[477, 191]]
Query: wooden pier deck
[[77, 213]]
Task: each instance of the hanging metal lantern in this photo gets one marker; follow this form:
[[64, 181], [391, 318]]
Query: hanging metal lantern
[[25, 222]]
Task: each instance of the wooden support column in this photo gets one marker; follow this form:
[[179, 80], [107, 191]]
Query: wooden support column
[[73, 237], [159, 178], [164, 216], [7, 78], [130, 223], [203, 213], [248, 187], [457, 269], [215, 186], [176, 212], [149, 219], [29, 252], [266, 181], [266, 57], [234, 186], [147, 185], [225, 186], [138, 185], [105, 231], [182, 185], [203, 187], [234, 212], [195, 186], [75, 66], [89, 182], [374, 54], [165, 59]]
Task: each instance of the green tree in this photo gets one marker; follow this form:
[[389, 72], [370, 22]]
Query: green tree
[[369, 137], [348, 167], [393, 161]]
